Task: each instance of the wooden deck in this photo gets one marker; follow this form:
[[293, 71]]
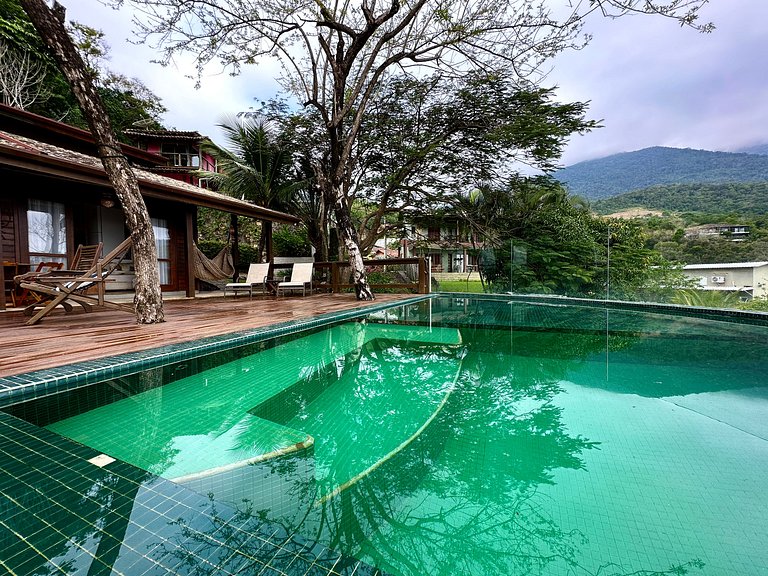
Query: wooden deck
[[68, 338]]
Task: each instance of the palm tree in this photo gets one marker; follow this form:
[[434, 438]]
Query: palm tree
[[706, 298], [256, 166]]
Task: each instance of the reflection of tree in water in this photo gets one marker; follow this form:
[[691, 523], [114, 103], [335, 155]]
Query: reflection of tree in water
[[93, 516], [463, 498]]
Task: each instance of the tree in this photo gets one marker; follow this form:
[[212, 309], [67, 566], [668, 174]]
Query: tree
[[127, 100], [20, 77], [257, 167], [336, 55], [25, 67], [539, 239], [30, 79], [49, 23], [423, 141]]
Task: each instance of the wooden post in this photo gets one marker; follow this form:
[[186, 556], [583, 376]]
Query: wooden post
[[2, 282], [189, 239], [335, 278], [268, 236], [424, 287]]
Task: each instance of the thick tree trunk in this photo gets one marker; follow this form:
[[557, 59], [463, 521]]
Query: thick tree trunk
[[333, 195], [49, 23], [348, 238]]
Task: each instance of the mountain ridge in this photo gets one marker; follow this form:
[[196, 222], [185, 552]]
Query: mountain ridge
[[659, 165]]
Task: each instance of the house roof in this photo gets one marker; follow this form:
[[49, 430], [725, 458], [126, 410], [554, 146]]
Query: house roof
[[165, 134], [20, 152], [725, 265], [16, 121], [710, 226]]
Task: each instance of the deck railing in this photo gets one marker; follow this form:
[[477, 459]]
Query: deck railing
[[392, 274]]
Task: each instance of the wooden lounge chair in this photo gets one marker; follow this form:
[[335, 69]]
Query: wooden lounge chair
[[42, 268], [257, 276], [65, 287], [301, 279], [86, 256]]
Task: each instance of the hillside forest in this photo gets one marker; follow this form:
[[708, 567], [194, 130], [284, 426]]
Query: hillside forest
[[669, 214]]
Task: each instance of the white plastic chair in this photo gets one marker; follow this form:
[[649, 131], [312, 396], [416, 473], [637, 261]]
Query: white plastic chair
[[301, 279], [257, 276]]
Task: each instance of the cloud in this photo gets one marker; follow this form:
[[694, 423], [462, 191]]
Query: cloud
[[652, 82]]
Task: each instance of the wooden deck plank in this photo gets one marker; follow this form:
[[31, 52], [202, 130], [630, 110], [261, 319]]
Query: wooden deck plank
[[63, 339]]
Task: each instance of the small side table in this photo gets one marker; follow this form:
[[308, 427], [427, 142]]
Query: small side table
[[271, 285]]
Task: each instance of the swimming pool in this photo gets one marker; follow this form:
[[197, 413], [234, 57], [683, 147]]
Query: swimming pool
[[468, 436]]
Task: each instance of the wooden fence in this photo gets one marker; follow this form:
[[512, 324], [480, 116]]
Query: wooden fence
[[335, 276]]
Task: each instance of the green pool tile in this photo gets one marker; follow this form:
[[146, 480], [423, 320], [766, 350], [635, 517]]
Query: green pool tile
[[558, 414], [32, 564]]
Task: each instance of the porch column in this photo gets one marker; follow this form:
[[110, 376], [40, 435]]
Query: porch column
[[268, 236], [189, 238]]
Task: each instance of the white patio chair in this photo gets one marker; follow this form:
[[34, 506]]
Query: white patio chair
[[257, 276], [301, 279]]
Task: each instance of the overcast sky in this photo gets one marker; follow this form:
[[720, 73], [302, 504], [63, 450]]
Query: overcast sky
[[651, 82]]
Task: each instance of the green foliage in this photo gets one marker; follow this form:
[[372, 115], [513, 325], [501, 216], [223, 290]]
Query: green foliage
[[258, 166], [759, 304], [377, 275], [248, 254], [291, 241], [18, 32], [424, 139], [708, 251], [214, 225], [620, 173], [704, 198], [706, 298], [541, 240], [127, 100], [211, 247]]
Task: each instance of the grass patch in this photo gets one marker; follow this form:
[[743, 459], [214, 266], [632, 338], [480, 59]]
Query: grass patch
[[460, 286]]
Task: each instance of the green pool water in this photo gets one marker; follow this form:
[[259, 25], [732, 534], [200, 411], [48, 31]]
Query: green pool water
[[478, 437]]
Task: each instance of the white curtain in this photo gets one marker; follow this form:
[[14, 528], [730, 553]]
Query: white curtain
[[46, 231], [163, 244]]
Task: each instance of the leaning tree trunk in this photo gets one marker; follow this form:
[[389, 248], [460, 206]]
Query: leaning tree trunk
[[148, 301]]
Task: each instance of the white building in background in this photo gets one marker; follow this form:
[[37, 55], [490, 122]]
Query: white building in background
[[748, 278], [734, 232]]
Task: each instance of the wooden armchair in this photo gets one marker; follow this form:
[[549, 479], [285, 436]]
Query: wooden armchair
[[42, 268], [65, 287]]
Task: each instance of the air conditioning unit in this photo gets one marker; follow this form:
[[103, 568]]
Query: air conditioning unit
[[718, 279]]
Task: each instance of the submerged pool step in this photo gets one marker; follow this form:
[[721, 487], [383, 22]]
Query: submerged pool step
[[205, 421]]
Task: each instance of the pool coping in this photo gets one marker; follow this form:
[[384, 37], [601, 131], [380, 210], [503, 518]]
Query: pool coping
[[21, 387], [26, 386], [721, 314]]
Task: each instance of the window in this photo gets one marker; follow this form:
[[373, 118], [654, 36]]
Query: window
[[46, 231], [163, 245], [180, 154]]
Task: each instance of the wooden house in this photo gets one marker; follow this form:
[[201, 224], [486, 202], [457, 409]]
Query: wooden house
[[54, 195]]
